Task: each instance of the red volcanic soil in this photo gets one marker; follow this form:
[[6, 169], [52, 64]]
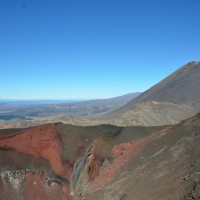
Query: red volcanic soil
[[122, 153], [40, 142], [35, 188], [93, 166]]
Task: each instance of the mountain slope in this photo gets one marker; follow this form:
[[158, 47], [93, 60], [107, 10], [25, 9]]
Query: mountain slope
[[164, 165], [175, 98], [183, 86]]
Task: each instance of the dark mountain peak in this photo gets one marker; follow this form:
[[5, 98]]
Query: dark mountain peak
[[190, 67], [192, 63], [181, 88]]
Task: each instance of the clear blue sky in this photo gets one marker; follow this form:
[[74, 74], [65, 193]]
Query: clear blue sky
[[93, 48]]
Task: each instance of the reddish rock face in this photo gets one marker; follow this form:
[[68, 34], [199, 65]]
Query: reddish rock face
[[37, 148], [93, 162], [39, 142], [93, 166], [122, 153]]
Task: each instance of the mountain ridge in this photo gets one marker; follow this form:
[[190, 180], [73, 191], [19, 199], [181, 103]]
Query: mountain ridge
[[180, 90]]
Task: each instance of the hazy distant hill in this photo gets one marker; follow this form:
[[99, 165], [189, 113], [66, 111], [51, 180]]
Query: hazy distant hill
[[31, 113], [101, 106], [175, 98]]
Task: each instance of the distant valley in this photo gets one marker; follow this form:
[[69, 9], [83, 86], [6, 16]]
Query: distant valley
[[34, 112]]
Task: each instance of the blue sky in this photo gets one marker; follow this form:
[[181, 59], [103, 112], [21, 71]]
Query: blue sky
[[69, 49]]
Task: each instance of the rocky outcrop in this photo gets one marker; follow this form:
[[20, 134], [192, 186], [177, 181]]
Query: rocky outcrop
[[85, 170]]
